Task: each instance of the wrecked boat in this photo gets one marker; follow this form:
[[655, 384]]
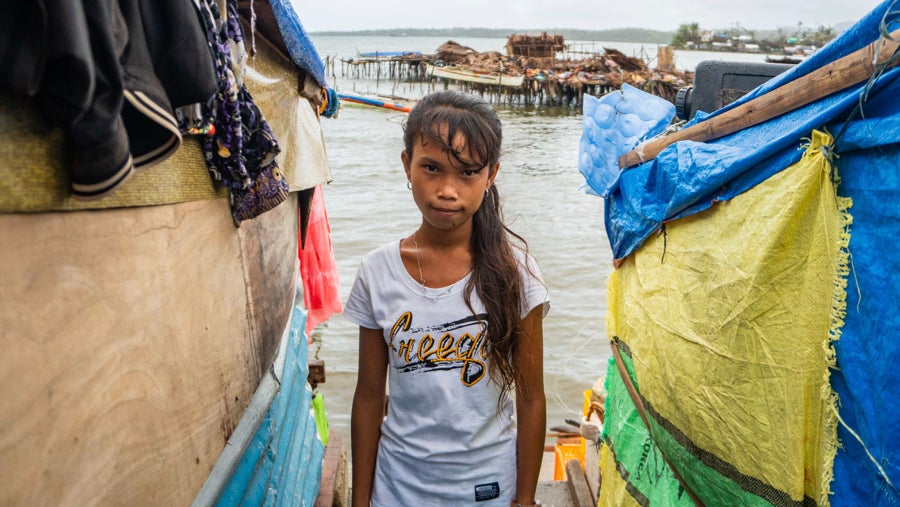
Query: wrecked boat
[[473, 76]]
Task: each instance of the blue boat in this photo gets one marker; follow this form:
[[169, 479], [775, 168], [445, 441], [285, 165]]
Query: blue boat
[[389, 54]]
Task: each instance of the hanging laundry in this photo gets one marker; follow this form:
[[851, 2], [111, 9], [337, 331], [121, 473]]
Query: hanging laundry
[[240, 150], [318, 270], [109, 73]]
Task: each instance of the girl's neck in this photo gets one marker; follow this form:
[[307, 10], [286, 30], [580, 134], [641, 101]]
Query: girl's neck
[[438, 257], [444, 240]]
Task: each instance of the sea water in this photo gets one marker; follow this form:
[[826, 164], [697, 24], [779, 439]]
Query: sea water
[[544, 201]]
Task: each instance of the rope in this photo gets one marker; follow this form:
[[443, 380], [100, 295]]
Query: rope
[[890, 16]]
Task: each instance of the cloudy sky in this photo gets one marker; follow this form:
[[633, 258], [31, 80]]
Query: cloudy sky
[[345, 15]]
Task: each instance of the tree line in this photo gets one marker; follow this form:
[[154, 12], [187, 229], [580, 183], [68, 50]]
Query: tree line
[[690, 35]]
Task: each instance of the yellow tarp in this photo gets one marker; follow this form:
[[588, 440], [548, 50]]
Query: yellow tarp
[[725, 318]]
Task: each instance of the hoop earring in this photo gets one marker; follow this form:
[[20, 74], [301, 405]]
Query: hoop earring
[[408, 184]]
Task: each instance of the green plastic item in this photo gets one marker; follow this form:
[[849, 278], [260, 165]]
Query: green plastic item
[[318, 409]]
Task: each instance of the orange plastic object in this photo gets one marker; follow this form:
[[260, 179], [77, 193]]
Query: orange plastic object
[[567, 449]]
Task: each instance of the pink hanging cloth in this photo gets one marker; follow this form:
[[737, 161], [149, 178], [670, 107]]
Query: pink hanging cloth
[[318, 271]]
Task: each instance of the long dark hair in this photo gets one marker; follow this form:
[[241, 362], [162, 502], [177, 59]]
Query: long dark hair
[[495, 272]]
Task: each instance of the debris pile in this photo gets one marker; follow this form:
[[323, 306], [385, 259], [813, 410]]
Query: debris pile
[[607, 70], [552, 73], [452, 52]]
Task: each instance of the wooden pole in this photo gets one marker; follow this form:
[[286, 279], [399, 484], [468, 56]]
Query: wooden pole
[[824, 81]]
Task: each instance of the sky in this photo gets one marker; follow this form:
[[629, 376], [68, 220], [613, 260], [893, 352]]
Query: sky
[[666, 15]]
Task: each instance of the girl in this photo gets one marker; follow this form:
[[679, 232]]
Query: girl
[[454, 313]]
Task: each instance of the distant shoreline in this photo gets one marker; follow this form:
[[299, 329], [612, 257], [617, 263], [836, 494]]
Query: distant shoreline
[[638, 35]]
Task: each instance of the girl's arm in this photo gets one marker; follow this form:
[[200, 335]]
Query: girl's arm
[[367, 412], [531, 406]]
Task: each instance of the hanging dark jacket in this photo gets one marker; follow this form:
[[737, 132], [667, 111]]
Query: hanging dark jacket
[[110, 73]]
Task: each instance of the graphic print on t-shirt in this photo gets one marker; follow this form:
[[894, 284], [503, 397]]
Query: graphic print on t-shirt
[[446, 346]]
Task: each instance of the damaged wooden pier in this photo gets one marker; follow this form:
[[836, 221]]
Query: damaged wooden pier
[[535, 69]]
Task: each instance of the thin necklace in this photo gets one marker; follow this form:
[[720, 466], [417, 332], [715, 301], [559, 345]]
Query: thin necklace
[[419, 263]]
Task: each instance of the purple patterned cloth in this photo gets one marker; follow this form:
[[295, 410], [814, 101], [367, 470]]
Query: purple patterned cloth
[[240, 152]]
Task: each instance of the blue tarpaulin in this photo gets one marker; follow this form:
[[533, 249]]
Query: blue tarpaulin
[[688, 177], [302, 51]]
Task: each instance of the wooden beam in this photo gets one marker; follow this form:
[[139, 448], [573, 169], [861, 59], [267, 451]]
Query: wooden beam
[[833, 77], [578, 486], [330, 464]]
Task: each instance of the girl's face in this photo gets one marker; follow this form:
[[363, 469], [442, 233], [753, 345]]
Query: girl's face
[[447, 191]]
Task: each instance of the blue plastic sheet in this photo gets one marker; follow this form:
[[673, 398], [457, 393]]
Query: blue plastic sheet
[[867, 468], [612, 125], [302, 51]]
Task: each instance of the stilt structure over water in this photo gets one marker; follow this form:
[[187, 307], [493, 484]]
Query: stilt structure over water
[[548, 73], [407, 66]]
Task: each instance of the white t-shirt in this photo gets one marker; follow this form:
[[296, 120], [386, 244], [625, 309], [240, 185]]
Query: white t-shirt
[[443, 441]]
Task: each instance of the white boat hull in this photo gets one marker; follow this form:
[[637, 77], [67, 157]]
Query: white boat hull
[[473, 76]]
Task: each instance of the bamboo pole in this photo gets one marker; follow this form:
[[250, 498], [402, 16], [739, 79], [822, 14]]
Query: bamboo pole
[[833, 77]]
